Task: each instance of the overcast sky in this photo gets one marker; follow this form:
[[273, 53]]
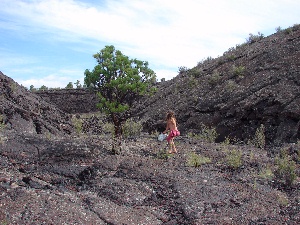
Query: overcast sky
[[51, 42]]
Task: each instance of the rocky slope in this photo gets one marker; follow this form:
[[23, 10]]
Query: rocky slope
[[252, 84], [25, 112]]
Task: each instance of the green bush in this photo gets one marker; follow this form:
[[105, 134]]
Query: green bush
[[77, 123], [238, 71], [208, 134], [195, 160], [234, 159], [286, 169], [163, 154], [231, 86], [266, 173], [108, 128], [214, 78], [254, 38], [132, 128], [259, 139]]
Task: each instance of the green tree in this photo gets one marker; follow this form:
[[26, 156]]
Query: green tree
[[32, 88], [69, 85], [78, 85], [119, 80], [43, 88]]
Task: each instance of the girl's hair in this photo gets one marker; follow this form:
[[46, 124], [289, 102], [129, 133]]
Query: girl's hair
[[170, 115]]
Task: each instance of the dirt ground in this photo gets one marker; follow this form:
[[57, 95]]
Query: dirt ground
[[77, 180]]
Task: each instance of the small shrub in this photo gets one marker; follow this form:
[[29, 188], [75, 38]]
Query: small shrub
[[195, 72], [288, 30], [286, 169], [206, 133], [238, 71], [231, 86], [163, 154], [278, 29], [259, 139], [209, 134], [266, 173], [226, 142], [108, 128], [254, 38], [234, 159], [13, 87], [214, 78], [132, 128], [195, 160], [77, 123], [182, 69]]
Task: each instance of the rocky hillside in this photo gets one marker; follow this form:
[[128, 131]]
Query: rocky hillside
[[25, 112], [71, 101], [252, 84]]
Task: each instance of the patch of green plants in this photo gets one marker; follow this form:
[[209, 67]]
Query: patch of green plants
[[108, 128], [259, 139], [195, 72], [77, 123], [285, 168], [239, 71], [208, 134], [163, 154], [233, 158], [214, 78], [288, 30], [226, 142], [195, 160], [182, 69], [231, 86], [254, 38], [13, 87], [132, 128], [266, 173]]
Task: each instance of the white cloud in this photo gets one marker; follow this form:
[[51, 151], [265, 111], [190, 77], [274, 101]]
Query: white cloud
[[58, 79]]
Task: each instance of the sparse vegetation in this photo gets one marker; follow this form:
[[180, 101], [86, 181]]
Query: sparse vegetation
[[208, 134], [231, 85], [286, 168], [70, 85], [195, 160], [182, 69], [163, 154], [266, 173], [238, 71], [259, 139], [254, 38], [132, 128], [214, 78], [77, 123], [234, 158]]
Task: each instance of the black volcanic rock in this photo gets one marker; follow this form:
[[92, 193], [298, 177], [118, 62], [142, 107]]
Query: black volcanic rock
[[25, 112]]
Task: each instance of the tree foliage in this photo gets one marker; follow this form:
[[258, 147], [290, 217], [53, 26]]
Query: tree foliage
[[119, 80]]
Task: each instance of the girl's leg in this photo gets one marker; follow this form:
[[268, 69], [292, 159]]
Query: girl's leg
[[171, 145], [174, 147]]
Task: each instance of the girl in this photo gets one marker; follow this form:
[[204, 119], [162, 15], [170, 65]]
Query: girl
[[172, 126]]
